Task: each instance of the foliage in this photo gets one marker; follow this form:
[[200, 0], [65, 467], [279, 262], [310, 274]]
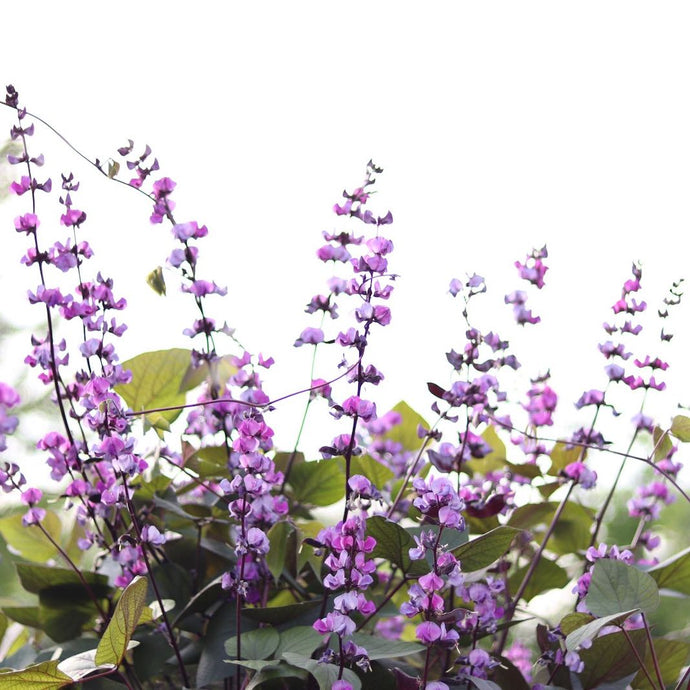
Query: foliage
[[176, 546]]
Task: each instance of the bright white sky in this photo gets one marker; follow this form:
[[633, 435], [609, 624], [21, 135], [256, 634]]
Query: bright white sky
[[501, 126]]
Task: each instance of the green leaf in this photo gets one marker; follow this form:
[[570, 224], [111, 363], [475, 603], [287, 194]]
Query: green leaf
[[320, 483], [590, 630], [39, 579], [530, 515], [617, 587], [571, 533], [526, 469], [278, 671], [609, 658], [281, 536], [156, 382], [220, 627], [255, 645], [674, 573], [573, 621], [662, 443], [493, 461], [324, 674], [43, 676], [65, 618], [209, 461], [202, 600], [671, 655], [299, 639], [561, 457], [156, 280], [377, 473], [405, 433], [393, 543], [382, 648], [30, 542], [277, 615], [481, 552], [26, 615], [547, 575], [217, 373], [680, 428], [113, 645]]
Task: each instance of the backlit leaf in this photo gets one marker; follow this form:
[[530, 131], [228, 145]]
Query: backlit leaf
[[43, 676], [156, 382], [680, 428], [30, 542], [561, 457], [405, 433], [113, 645]]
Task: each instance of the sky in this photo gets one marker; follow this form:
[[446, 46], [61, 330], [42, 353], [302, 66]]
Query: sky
[[501, 126]]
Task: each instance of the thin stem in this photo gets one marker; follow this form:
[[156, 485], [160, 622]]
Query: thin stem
[[293, 455], [652, 651], [260, 406], [684, 677], [639, 659], [611, 451], [154, 584], [532, 568], [598, 521]]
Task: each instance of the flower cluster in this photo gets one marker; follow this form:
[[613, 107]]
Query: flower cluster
[[351, 569]]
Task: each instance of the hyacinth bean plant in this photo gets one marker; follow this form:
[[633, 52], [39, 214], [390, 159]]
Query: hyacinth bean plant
[[174, 546]]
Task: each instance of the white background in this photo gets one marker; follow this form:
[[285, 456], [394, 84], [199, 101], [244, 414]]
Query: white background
[[501, 126]]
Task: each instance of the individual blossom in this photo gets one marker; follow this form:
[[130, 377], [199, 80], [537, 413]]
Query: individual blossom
[[533, 269], [522, 315], [580, 474]]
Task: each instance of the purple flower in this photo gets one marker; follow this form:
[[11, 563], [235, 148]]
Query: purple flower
[[430, 633], [581, 474], [186, 231], [152, 535], [310, 336], [356, 406], [201, 288]]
